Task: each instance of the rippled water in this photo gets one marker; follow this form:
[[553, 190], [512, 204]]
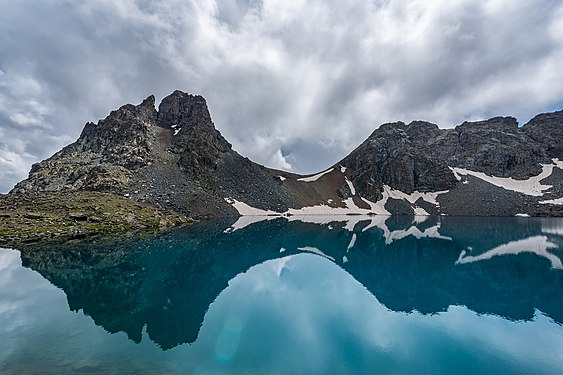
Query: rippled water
[[352, 295]]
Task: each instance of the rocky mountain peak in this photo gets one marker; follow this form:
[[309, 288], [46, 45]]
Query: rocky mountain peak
[[180, 108], [422, 130], [195, 137], [126, 118], [388, 127], [496, 146], [552, 119], [149, 102], [123, 137], [546, 128], [494, 124], [109, 155], [396, 155]]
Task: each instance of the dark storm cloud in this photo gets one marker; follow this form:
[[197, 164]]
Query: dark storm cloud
[[291, 84]]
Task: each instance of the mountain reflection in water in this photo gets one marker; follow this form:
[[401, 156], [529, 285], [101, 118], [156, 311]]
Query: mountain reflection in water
[[503, 266]]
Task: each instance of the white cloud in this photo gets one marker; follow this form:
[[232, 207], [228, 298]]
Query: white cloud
[[291, 84]]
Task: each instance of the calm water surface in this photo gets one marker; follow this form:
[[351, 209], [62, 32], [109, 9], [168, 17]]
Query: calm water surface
[[338, 295]]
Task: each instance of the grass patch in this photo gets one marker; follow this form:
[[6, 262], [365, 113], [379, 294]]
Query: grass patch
[[53, 215]]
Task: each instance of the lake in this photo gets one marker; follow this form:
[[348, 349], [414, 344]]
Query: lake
[[310, 295]]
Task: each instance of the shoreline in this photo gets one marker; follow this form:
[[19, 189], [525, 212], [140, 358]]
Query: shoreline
[[56, 216]]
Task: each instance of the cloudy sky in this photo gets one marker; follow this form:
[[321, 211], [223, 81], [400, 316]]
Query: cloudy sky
[[291, 84]]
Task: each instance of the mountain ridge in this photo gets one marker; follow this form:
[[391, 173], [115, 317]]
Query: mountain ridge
[[174, 158]]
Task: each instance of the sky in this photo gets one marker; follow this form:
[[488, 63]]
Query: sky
[[294, 85]]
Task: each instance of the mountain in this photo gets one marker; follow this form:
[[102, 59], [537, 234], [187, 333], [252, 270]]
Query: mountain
[[174, 158]]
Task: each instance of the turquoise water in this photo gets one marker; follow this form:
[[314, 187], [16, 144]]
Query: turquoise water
[[356, 296]]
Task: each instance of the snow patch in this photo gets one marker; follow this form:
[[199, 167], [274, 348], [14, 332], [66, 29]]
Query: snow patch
[[244, 221], [377, 208], [352, 242], [456, 175], [553, 226], [314, 250], [282, 178], [246, 210], [413, 197], [278, 265], [318, 219], [419, 211], [350, 221], [532, 186], [350, 209], [558, 201], [176, 131], [418, 219], [351, 186], [522, 215], [537, 245], [432, 232], [315, 177], [350, 213]]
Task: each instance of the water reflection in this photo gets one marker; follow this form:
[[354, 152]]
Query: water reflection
[[503, 266]]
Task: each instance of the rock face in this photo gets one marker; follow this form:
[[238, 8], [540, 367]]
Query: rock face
[[420, 156], [547, 130], [196, 141], [496, 146], [174, 158], [417, 156], [398, 155]]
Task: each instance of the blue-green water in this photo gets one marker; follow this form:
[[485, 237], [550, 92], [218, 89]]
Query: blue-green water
[[368, 296]]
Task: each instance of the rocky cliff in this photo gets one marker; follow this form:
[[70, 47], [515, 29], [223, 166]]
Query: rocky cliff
[[174, 158], [496, 157]]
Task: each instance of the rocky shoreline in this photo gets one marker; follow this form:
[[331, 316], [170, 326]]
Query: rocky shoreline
[[60, 216]]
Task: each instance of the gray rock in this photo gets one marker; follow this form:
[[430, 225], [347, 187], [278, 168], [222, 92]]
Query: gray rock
[[31, 215], [78, 216]]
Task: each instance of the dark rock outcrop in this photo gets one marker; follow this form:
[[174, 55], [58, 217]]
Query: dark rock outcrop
[[496, 147], [398, 155], [547, 130], [418, 157], [196, 141]]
